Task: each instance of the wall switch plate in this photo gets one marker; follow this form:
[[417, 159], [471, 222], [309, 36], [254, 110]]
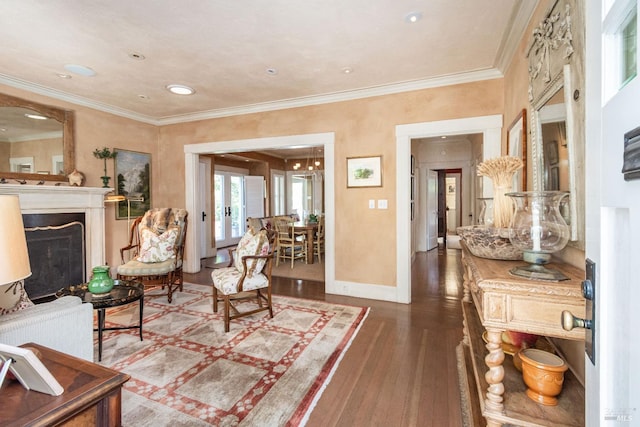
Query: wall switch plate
[[372, 204], [382, 204]]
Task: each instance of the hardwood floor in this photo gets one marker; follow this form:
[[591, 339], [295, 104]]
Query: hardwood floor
[[401, 368]]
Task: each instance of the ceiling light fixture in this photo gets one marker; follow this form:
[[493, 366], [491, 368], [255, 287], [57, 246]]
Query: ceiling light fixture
[[35, 116], [145, 97], [347, 70], [413, 17], [137, 56], [271, 71], [180, 89], [63, 75], [80, 69]]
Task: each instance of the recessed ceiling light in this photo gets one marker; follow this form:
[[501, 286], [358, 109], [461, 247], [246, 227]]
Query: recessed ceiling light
[[137, 56], [443, 137], [413, 17], [35, 116], [180, 89], [143, 96], [80, 69], [271, 71], [63, 75], [347, 70]]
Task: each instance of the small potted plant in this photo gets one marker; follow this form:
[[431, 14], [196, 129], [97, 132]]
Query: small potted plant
[[105, 153], [313, 218]]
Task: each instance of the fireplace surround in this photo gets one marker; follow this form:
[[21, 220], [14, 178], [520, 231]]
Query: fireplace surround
[[51, 199]]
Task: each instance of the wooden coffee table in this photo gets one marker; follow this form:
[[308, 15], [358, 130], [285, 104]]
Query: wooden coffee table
[[123, 292], [91, 397]]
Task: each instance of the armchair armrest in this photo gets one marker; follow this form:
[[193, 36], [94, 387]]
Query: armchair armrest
[[269, 260], [128, 249]]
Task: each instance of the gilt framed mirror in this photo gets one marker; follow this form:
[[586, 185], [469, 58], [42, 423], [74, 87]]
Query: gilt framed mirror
[[36, 141], [556, 79]]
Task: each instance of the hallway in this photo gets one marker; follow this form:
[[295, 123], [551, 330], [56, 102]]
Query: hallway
[[401, 368]]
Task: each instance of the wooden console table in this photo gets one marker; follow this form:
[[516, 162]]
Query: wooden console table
[[91, 395], [495, 301]]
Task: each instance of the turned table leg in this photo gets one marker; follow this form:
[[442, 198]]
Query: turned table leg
[[495, 374]]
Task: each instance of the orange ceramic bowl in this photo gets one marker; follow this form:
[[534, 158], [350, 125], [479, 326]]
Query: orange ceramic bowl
[[543, 373]]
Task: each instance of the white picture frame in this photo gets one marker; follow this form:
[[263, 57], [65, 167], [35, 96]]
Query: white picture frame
[[29, 370]]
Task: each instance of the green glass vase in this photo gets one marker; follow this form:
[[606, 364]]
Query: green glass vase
[[101, 282]]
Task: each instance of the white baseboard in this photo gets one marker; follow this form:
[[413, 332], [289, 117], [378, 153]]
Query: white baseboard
[[363, 290]]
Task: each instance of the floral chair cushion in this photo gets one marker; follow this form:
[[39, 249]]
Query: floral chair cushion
[[157, 247], [252, 243], [14, 298], [226, 280]]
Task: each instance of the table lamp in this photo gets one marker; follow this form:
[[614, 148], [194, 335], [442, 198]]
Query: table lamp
[[14, 262]]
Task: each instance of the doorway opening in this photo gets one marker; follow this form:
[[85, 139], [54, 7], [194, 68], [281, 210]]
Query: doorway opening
[[192, 186], [450, 190]]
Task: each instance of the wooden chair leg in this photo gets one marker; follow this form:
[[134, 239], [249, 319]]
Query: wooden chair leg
[[215, 299], [227, 309]]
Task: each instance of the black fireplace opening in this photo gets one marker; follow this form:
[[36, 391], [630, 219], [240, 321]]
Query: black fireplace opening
[[56, 245]]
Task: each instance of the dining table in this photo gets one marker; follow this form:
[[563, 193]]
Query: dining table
[[309, 228]]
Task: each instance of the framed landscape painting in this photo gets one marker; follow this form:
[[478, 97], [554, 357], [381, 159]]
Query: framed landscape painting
[[364, 171], [133, 180]]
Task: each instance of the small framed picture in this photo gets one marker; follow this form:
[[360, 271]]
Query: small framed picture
[[364, 171]]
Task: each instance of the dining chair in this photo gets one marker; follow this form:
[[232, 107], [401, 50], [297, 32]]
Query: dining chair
[[318, 239], [290, 245]]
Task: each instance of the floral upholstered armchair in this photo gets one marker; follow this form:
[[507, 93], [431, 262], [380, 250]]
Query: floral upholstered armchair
[[249, 274], [156, 249]]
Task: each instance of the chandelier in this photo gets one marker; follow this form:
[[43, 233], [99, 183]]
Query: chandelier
[[313, 164]]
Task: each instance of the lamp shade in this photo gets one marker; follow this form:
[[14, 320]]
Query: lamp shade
[[14, 258]]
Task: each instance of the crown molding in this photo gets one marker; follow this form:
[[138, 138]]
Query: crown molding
[[520, 18], [390, 89], [469, 77], [75, 99]]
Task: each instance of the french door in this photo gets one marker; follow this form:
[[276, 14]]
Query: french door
[[229, 210]]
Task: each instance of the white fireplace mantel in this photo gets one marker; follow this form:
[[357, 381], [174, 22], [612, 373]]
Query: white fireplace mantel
[[39, 199]]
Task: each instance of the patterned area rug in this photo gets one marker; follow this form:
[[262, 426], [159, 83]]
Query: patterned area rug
[[264, 372]]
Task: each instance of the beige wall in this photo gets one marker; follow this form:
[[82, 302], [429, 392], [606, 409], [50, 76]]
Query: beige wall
[[365, 238]]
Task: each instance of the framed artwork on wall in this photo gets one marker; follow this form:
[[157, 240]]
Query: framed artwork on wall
[[133, 181], [364, 171], [517, 147]]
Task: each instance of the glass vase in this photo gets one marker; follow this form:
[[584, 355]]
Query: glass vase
[[539, 230]]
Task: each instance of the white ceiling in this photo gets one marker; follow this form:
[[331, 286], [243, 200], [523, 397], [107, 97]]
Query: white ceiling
[[223, 48]]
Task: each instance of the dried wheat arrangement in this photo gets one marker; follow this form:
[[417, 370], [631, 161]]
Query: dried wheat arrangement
[[501, 170]]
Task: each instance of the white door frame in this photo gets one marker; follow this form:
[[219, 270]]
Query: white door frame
[[489, 126], [192, 186], [204, 227]]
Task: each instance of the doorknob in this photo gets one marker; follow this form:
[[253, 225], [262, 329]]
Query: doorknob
[[569, 321], [204, 215]]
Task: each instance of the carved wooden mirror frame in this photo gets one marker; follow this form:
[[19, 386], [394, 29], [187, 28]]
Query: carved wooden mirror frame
[[66, 118], [556, 62]]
